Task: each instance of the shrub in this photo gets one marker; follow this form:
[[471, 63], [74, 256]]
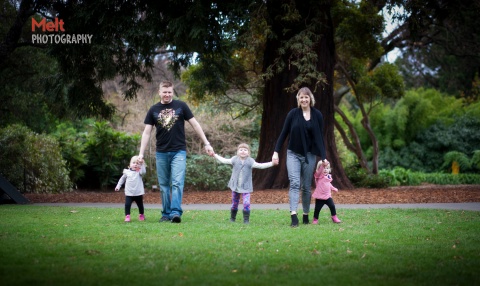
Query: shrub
[[72, 143], [32, 162], [108, 152], [203, 173], [361, 179]]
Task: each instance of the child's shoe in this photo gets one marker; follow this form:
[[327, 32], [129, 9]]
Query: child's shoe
[[127, 218], [141, 217], [315, 221], [335, 219]]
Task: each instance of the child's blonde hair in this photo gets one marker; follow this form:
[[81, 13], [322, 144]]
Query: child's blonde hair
[[320, 164], [134, 159]]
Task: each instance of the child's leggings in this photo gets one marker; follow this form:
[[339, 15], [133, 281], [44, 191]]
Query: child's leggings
[[319, 205], [128, 203], [236, 201]]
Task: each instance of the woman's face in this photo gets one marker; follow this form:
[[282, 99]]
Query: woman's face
[[304, 100]]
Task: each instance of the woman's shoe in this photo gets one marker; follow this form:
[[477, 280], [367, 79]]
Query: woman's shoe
[[294, 220], [305, 219]]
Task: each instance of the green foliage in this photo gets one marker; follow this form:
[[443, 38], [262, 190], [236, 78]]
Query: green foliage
[[417, 131], [32, 162], [361, 179], [433, 58], [204, 173], [108, 152], [405, 177], [23, 80], [475, 161], [387, 78], [359, 27], [72, 143], [455, 156]]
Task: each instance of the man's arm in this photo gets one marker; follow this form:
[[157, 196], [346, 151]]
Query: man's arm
[[145, 138], [198, 129]]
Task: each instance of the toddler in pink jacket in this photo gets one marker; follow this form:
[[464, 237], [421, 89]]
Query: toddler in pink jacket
[[323, 191]]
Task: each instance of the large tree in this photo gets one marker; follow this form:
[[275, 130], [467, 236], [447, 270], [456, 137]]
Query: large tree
[[299, 52]]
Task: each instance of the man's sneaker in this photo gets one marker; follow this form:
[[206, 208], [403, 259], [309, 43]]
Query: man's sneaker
[[141, 217], [315, 221], [127, 218], [176, 219], [164, 219]]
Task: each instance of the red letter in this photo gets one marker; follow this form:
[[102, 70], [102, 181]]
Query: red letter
[[36, 24], [50, 26], [61, 26]]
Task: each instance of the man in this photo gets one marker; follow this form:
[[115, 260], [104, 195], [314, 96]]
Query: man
[[169, 118]]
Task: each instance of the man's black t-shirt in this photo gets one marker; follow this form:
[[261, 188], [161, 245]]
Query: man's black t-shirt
[[169, 120]]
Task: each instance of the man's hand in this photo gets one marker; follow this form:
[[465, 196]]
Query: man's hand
[[209, 150]]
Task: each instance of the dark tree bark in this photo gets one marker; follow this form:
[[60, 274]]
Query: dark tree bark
[[277, 102]]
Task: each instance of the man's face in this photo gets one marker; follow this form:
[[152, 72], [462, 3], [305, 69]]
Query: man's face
[[166, 94]]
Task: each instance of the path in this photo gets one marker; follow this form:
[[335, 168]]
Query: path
[[447, 206]]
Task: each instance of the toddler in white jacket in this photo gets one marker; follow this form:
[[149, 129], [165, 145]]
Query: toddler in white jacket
[[134, 190]]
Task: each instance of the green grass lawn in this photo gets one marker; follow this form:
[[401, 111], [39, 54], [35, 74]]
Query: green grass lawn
[[93, 246]]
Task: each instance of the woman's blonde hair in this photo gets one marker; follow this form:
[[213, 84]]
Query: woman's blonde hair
[[306, 90]]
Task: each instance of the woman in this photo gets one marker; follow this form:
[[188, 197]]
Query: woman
[[305, 127]]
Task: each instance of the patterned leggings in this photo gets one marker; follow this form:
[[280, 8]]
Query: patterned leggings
[[236, 201]]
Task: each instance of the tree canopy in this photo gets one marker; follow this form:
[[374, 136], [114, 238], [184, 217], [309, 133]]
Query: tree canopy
[[288, 44]]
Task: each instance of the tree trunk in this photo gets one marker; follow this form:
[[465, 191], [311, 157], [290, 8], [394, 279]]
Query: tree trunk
[[277, 102]]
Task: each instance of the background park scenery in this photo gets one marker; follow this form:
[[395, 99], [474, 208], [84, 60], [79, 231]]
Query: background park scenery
[[72, 114]]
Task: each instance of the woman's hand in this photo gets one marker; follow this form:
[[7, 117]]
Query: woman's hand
[[275, 159]]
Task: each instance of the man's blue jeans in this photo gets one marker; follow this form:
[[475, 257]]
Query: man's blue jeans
[[300, 175], [171, 177]]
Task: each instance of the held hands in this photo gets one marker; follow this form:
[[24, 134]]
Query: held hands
[[209, 149], [275, 159]]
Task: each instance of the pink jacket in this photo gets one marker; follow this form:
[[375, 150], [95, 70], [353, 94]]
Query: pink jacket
[[324, 187]]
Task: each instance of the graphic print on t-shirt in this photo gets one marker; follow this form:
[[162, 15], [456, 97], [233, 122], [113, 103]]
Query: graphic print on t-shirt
[[167, 118]]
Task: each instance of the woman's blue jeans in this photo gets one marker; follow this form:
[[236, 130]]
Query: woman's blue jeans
[[300, 175], [171, 177]]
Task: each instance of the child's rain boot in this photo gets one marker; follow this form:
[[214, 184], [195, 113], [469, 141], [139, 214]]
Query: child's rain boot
[[335, 219]]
